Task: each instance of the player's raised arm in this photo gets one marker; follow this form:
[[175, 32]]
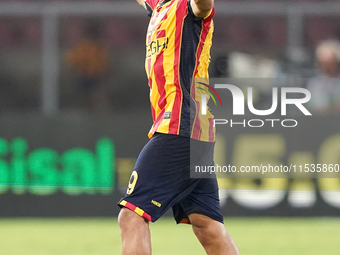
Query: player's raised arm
[[141, 3], [202, 8]]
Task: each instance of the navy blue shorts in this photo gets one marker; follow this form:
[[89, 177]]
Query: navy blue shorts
[[161, 180]]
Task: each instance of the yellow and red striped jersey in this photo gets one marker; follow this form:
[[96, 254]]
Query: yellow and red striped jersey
[[178, 52]]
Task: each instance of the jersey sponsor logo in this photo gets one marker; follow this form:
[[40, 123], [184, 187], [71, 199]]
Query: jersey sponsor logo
[[157, 46], [156, 203]]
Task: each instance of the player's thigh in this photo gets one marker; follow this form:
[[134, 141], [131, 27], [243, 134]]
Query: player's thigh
[[203, 199], [160, 178]]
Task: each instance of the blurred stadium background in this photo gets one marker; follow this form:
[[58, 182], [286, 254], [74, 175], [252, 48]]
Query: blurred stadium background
[[74, 114]]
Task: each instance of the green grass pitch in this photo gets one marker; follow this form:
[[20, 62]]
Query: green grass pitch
[[254, 236]]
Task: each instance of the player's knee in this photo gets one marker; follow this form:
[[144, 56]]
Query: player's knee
[[206, 229], [128, 219], [125, 217], [205, 235]]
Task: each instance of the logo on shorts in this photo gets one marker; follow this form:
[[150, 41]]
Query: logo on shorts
[[156, 203]]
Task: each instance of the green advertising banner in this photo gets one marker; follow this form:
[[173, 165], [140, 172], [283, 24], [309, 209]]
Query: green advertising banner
[[43, 170], [80, 165]]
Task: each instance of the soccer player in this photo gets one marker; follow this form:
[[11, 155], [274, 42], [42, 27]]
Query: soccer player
[[177, 52]]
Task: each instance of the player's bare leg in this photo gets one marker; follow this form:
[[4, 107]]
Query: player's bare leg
[[135, 233], [212, 235]]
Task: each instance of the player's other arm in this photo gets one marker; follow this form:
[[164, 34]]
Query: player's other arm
[[141, 3], [202, 8]]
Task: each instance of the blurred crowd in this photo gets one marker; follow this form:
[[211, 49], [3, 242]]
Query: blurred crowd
[[263, 73], [89, 61], [101, 60], [325, 86]]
